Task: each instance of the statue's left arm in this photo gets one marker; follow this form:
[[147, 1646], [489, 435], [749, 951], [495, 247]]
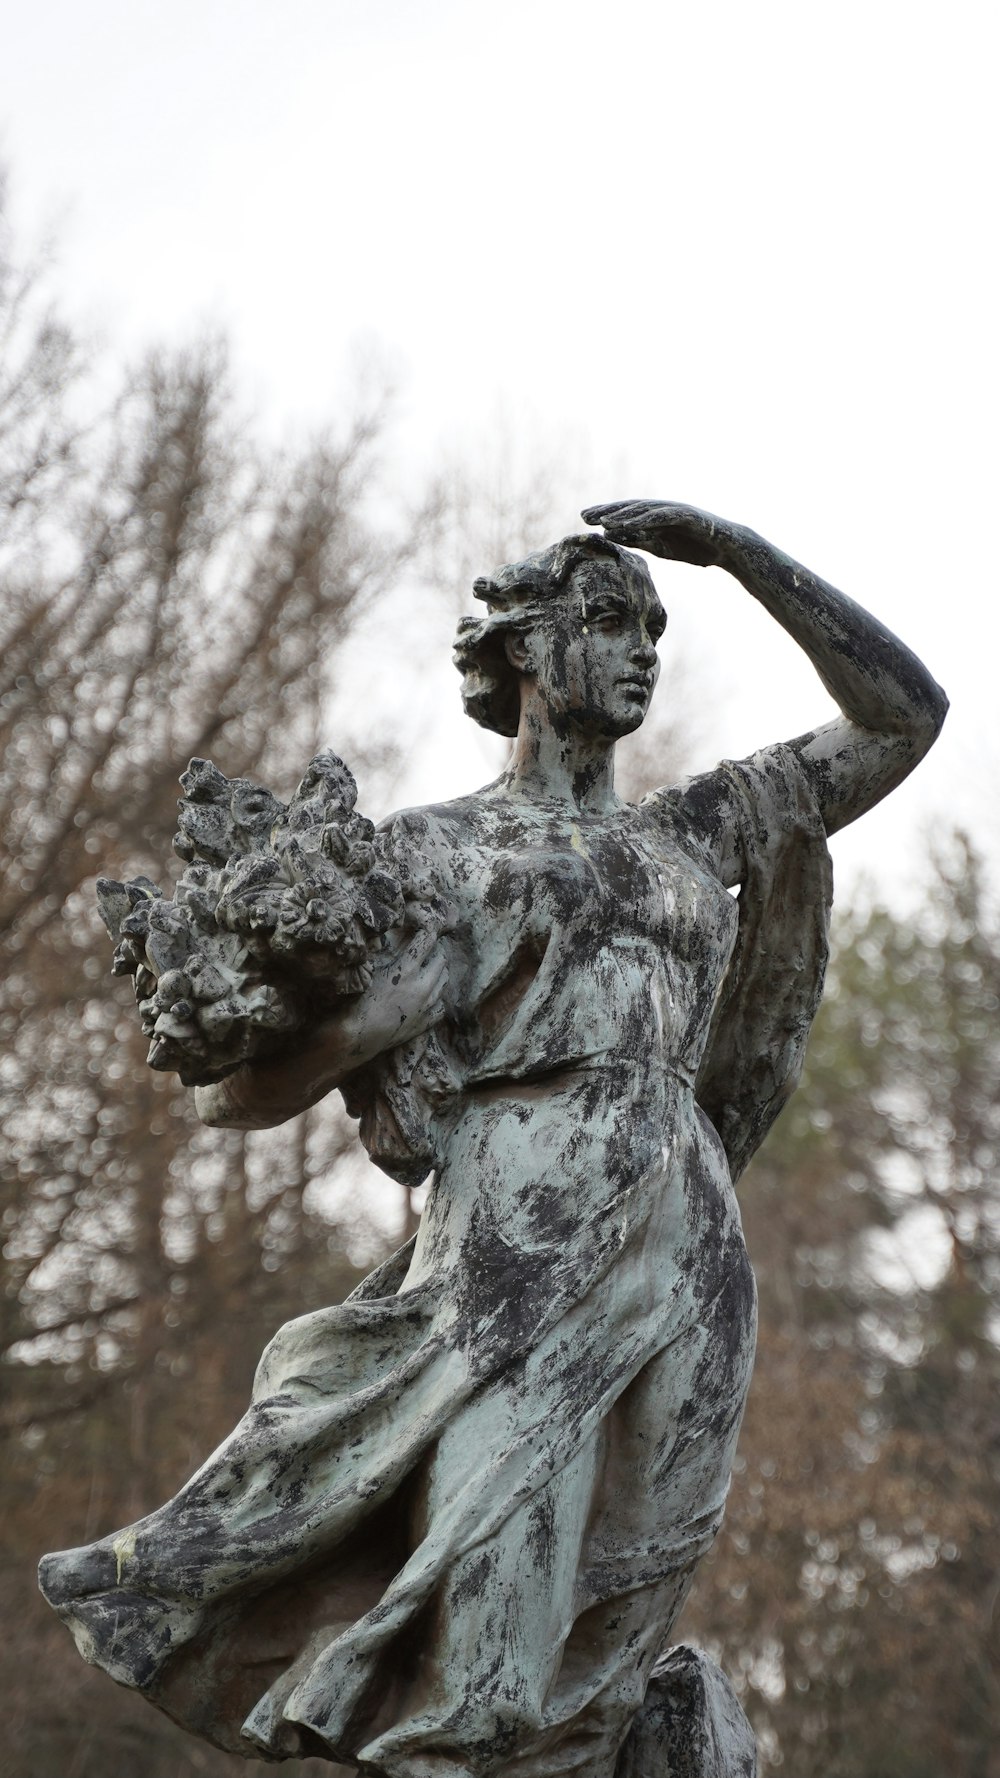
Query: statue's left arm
[[404, 999], [891, 707]]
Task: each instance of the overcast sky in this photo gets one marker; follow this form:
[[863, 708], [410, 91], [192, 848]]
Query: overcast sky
[[736, 254]]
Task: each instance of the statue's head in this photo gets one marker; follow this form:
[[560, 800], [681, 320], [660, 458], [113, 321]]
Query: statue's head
[[578, 623]]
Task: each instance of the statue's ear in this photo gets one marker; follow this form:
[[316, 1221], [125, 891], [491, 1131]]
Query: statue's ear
[[519, 652]]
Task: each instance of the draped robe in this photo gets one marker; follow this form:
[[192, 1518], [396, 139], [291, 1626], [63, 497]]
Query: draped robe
[[455, 1526]]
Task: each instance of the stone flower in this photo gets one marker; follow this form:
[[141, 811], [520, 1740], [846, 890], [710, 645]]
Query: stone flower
[[281, 908]]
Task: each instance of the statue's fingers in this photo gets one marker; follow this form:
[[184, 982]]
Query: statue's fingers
[[420, 947], [636, 536], [617, 511], [437, 976]]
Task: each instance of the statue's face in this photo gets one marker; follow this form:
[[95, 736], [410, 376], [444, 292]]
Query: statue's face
[[593, 658]]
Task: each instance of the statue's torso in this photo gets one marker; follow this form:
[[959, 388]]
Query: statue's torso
[[577, 939]]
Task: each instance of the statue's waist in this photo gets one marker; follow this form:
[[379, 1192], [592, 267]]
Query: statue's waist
[[619, 1068]]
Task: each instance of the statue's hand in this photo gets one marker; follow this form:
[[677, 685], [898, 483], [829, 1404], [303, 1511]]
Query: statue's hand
[[404, 998], [679, 533]]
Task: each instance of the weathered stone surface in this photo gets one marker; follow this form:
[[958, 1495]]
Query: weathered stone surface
[[459, 1519], [690, 1726], [279, 915]]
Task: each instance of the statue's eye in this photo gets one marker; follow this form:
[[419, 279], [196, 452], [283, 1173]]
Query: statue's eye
[[609, 619]]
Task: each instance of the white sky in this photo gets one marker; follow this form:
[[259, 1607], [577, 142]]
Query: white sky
[[736, 254]]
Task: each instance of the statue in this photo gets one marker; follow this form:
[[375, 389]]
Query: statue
[[457, 1523]]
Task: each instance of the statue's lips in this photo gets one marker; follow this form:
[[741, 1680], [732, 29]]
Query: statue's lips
[[638, 682]]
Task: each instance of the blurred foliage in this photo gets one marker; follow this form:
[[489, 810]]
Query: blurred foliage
[[170, 588]]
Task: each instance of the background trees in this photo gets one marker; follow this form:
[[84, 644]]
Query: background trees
[[169, 588], [856, 1582]]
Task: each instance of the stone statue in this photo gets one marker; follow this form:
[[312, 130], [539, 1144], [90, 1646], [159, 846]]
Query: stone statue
[[456, 1525]]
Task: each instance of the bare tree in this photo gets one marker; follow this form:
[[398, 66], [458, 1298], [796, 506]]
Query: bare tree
[[168, 588]]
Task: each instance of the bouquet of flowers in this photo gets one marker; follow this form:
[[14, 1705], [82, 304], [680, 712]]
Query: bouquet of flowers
[[280, 913]]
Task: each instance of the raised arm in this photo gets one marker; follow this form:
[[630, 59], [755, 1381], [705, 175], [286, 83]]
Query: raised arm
[[403, 1000], [891, 708]]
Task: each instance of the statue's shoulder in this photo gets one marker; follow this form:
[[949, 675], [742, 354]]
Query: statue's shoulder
[[742, 808], [437, 826], [706, 815], [695, 807]]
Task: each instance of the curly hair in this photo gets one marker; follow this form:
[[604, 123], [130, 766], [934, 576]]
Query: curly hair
[[517, 597]]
